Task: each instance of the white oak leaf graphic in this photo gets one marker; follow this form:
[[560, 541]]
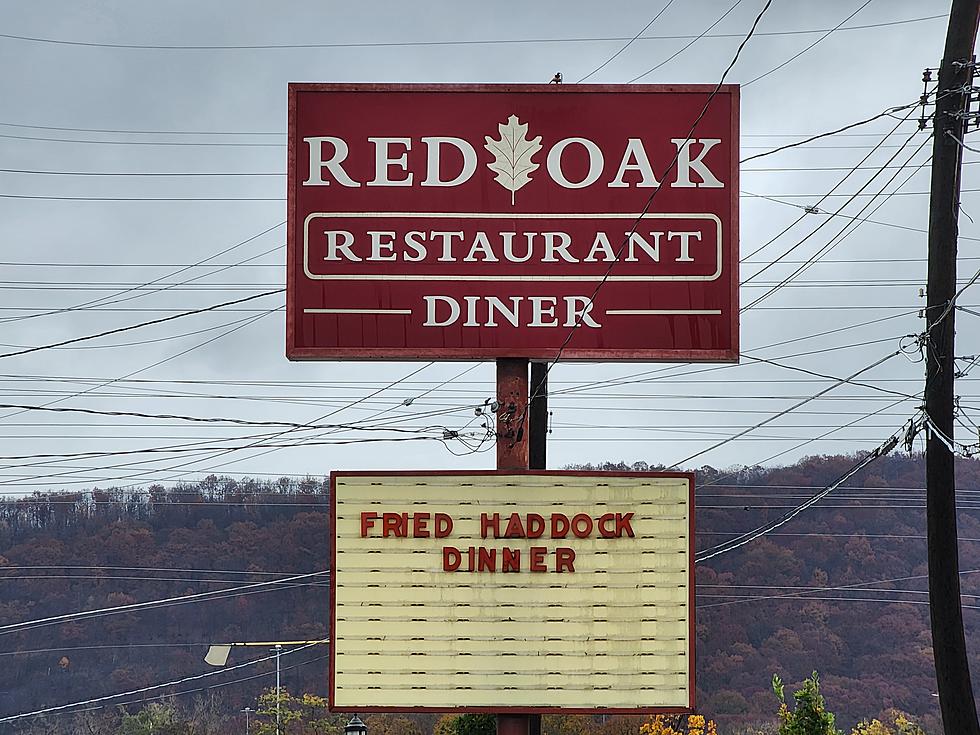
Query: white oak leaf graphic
[[512, 155]]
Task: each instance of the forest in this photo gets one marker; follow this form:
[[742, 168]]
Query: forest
[[839, 589]]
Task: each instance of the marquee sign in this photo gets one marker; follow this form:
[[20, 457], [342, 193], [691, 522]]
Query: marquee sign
[[502, 591], [476, 222]]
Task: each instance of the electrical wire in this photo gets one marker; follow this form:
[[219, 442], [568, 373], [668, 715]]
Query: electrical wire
[[141, 690], [691, 43], [415, 44], [130, 327], [148, 604], [793, 58], [784, 412], [841, 208], [885, 113], [629, 43], [646, 208], [745, 538]]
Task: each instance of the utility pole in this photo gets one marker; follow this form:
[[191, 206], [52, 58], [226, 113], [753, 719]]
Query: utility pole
[[956, 701]]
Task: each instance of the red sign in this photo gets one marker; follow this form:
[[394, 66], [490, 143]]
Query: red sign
[[477, 222]]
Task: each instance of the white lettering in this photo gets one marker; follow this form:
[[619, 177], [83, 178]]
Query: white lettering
[[580, 314], [685, 165], [471, 311], [383, 161], [447, 244], [332, 164], [379, 246], [635, 159], [495, 304], [595, 163], [561, 247], [430, 311], [334, 246], [509, 246], [653, 251], [434, 161], [539, 310], [481, 244], [413, 241], [601, 243], [685, 238], [443, 311]]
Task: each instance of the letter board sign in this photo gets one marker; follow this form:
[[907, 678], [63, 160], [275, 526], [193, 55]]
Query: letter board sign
[[477, 222], [506, 591]]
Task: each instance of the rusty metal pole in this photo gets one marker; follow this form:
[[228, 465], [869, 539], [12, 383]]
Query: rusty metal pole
[[512, 454], [537, 423], [512, 433]]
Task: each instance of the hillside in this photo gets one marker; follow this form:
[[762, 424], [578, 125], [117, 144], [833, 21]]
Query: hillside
[[838, 589]]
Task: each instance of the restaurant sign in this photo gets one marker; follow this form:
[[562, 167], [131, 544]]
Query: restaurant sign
[[504, 591], [477, 222]]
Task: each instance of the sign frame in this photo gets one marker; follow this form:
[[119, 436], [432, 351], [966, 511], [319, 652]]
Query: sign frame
[[692, 616], [569, 353]]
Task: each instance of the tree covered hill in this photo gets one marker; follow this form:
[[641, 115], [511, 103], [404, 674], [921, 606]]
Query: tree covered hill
[[838, 589]]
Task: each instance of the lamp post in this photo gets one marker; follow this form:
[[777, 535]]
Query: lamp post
[[356, 726], [278, 650], [247, 711], [218, 653]]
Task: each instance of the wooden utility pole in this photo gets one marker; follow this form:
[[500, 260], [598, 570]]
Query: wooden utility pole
[[956, 701]]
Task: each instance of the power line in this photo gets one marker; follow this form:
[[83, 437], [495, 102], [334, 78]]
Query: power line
[[793, 58], [141, 690], [148, 604], [141, 324], [885, 113], [745, 538], [691, 43], [413, 44], [628, 43], [840, 381]]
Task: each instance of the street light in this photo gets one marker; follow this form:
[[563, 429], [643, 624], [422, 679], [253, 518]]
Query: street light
[[247, 710], [356, 726], [218, 653]]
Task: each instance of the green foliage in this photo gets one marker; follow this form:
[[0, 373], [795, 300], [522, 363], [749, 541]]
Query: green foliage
[[893, 722], [155, 719], [810, 716], [461, 725], [306, 714], [474, 725]]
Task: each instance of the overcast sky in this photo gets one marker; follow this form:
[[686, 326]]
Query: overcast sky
[[101, 98]]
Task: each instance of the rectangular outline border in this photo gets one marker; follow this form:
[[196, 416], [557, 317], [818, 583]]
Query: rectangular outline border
[[570, 354], [692, 617], [503, 215]]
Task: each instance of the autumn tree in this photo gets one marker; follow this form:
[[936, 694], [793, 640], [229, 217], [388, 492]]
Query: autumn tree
[[298, 715], [895, 722], [465, 725], [810, 716], [678, 725], [155, 719]]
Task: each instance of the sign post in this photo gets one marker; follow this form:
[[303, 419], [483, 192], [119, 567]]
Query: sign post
[[514, 439]]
